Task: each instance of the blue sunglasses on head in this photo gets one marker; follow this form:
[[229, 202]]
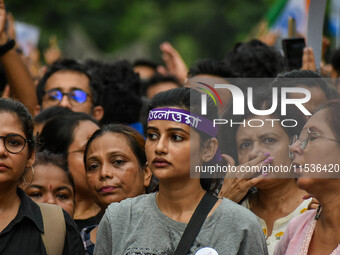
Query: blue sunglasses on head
[[76, 96]]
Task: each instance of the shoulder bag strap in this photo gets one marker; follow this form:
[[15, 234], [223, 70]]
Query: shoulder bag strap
[[54, 228], [195, 224]]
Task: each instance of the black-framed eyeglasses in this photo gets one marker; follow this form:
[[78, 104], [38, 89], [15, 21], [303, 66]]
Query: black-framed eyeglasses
[[305, 136], [14, 143], [75, 96]]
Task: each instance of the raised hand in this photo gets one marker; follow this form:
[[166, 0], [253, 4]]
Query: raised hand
[[308, 60], [2, 16], [174, 62], [236, 186]]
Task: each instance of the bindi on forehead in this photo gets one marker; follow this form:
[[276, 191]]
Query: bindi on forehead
[[50, 186]]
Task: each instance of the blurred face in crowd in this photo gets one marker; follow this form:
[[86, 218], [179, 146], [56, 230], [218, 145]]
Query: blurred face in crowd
[[322, 150], [252, 142], [145, 72], [75, 159], [78, 84], [12, 165], [113, 171], [50, 185], [159, 87], [318, 98]]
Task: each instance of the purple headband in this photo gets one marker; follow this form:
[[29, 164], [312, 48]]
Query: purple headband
[[181, 116]]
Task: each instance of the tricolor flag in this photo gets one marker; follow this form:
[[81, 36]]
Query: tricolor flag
[[277, 17]]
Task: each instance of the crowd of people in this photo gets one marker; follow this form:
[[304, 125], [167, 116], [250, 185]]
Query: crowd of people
[[97, 157]]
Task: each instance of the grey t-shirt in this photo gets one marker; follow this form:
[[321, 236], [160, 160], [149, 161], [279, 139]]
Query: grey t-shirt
[[137, 226]]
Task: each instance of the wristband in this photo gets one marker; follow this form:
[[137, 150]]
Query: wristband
[[7, 47]]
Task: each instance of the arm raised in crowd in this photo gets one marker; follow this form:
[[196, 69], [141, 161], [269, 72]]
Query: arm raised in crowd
[[19, 79], [308, 60], [174, 62]]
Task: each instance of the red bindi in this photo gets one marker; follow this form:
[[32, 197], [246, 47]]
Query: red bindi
[[50, 186]]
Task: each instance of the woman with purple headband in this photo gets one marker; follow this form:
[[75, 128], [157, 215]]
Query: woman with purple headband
[[177, 139]]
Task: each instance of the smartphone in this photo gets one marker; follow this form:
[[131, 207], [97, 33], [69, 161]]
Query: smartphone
[[293, 51]]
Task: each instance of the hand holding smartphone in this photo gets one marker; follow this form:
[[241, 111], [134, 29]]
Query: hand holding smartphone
[[293, 51]]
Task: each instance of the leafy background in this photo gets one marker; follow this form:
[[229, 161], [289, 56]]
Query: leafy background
[[134, 28]]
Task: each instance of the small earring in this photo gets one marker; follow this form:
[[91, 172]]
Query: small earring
[[24, 178]]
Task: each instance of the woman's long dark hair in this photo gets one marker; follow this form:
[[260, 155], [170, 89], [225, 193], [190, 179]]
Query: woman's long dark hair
[[58, 133]]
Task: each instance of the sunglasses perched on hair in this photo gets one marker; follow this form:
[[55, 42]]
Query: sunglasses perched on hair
[[75, 96]]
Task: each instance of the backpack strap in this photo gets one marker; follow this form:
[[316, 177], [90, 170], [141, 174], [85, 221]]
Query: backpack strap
[[195, 224], [54, 228]]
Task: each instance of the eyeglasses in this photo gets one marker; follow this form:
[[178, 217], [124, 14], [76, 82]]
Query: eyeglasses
[[305, 136], [14, 143], [75, 97]]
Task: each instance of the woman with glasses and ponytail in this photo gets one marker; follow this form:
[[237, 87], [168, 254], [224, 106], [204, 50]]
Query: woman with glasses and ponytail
[[183, 217], [316, 162], [22, 223]]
